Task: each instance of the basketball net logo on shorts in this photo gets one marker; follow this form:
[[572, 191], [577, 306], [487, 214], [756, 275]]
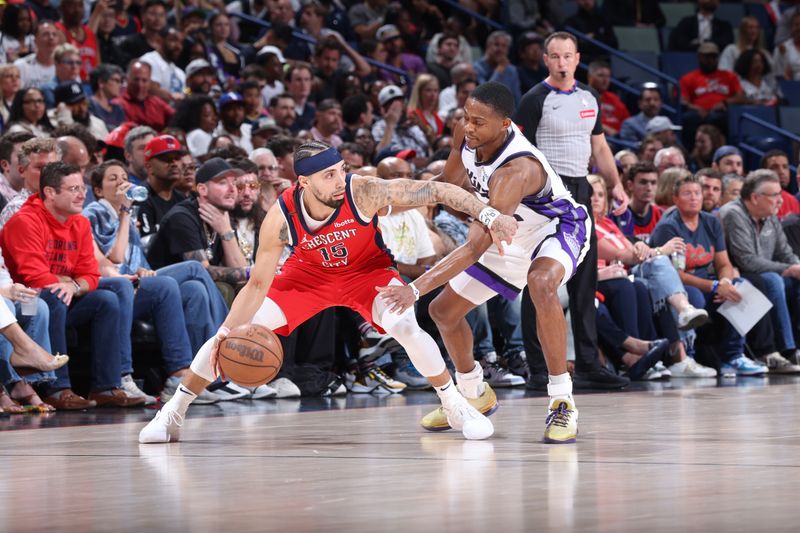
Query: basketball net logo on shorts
[[572, 242]]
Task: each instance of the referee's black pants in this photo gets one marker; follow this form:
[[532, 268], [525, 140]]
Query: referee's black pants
[[581, 288]]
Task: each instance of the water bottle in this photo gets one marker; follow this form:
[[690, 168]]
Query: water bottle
[[136, 193], [678, 260]]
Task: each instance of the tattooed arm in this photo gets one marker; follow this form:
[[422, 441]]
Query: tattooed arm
[[232, 275]]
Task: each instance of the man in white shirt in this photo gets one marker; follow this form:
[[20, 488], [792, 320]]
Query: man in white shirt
[[447, 97], [40, 68], [272, 60], [170, 77], [231, 121], [787, 53]]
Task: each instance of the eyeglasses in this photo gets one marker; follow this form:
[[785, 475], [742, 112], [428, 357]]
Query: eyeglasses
[[71, 62], [75, 189], [252, 185], [35, 101], [770, 194]]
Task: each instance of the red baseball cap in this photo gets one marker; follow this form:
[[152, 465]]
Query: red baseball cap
[[163, 144], [116, 137], [406, 154]]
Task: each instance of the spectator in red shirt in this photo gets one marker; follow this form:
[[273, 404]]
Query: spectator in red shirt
[[778, 162], [613, 111], [706, 94], [139, 105], [79, 35]]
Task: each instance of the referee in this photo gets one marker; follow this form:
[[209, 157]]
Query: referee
[[561, 117]]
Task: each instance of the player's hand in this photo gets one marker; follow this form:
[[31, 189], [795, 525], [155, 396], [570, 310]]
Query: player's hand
[[502, 230], [222, 333], [618, 193], [397, 298]]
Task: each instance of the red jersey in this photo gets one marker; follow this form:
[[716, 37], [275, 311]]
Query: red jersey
[[613, 112], [707, 90], [339, 264], [790, 205], [90, 55]]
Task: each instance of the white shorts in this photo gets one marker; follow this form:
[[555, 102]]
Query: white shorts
[[566, 241]]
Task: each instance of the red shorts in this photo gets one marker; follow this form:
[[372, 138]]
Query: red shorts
[[302, 293]]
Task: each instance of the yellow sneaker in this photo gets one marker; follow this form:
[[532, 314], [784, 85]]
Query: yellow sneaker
[[486, 404], [562, 423]]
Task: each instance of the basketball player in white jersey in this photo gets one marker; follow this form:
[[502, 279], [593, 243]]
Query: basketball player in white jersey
[[511, 175]]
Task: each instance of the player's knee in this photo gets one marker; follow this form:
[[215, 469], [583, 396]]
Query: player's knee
[[439, 311], [404, 328], [543, 284]]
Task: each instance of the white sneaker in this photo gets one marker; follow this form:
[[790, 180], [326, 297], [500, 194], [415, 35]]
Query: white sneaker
[[164, 427], [778, 364], [229, 391], [689, 368], [262, 392], [473, 425], [129, 386], [206, 397], [691, 318], [660, 367], [652, 375], [285, 388]]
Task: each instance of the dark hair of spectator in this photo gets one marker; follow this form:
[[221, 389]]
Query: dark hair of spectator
[[300, 65], [764, 160], [742, 65], [80, 132], [10, 25], [8, 141], [282, 145], [465, 81], [247, 86], [329, 43], [226, 152], [448, 35], [497, 96], [254, 71], [150, 3], [53, 174], [368, 46], [242, 163], [353, 107], [275, 99], [708, 172], [440, 155], [103, 72], [96, 175], [187, 115], [15, 114], [640, 168], [353, 148]]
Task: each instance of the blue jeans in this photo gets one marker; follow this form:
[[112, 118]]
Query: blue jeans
[[100, 308], [37, 328], [784, 293], [478, 320], [661, 279], [731, 343], [159, 298], [204, 308], [505, 315]]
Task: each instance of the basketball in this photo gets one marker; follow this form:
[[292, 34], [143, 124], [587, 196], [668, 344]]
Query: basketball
[[251, 355]]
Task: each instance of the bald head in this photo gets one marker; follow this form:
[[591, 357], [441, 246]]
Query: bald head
[[74, 152], [392, 168]]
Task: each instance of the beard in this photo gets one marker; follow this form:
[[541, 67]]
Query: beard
[[239, 212], [333, 204]]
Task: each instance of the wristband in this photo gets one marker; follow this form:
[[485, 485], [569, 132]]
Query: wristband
[[247, 272], [228, 235], [415, 290], [124, 209], [488, 216], [714, 287], [223, 330]]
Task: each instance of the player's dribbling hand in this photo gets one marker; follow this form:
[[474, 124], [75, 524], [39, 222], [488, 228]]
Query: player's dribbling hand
[[222, 333], [397, 298], [502, 230]]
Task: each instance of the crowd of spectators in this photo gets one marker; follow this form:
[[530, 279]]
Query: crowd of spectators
[[143, 141]]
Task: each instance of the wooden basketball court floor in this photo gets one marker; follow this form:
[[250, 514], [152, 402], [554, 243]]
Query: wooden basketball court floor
[[692, 456]]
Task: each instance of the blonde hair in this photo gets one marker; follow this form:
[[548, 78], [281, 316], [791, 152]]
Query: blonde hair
[[422, 81], [595, 179], [7, 68], [666, 184], [63, 50], [759, 44]]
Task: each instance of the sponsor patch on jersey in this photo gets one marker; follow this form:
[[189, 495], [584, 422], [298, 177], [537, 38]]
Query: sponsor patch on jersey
[[588, 113]]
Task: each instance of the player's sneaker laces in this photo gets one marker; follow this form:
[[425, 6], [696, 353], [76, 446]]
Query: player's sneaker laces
[[164, 427], [496, 375], [374, 345], [561, 425], [486, 404], [129, 386], [472, 424]]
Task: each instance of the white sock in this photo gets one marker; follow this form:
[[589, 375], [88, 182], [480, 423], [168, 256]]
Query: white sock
[[560, 388], [181, 400], [471, 383], [447, 393]]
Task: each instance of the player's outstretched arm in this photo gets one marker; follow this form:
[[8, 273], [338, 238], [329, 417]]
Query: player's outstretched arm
[[516, 181], [372, 194]]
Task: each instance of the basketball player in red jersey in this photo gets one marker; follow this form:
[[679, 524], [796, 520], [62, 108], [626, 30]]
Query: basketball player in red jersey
[[338, 259]]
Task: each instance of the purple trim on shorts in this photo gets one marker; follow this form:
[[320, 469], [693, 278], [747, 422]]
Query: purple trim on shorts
[[493, 281], [570, 233]]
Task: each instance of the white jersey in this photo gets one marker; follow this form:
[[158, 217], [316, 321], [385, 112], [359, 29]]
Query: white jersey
[[553, 201], [551, 224]]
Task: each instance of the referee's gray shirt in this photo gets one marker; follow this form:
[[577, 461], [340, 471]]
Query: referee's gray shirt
[[561, 124]]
